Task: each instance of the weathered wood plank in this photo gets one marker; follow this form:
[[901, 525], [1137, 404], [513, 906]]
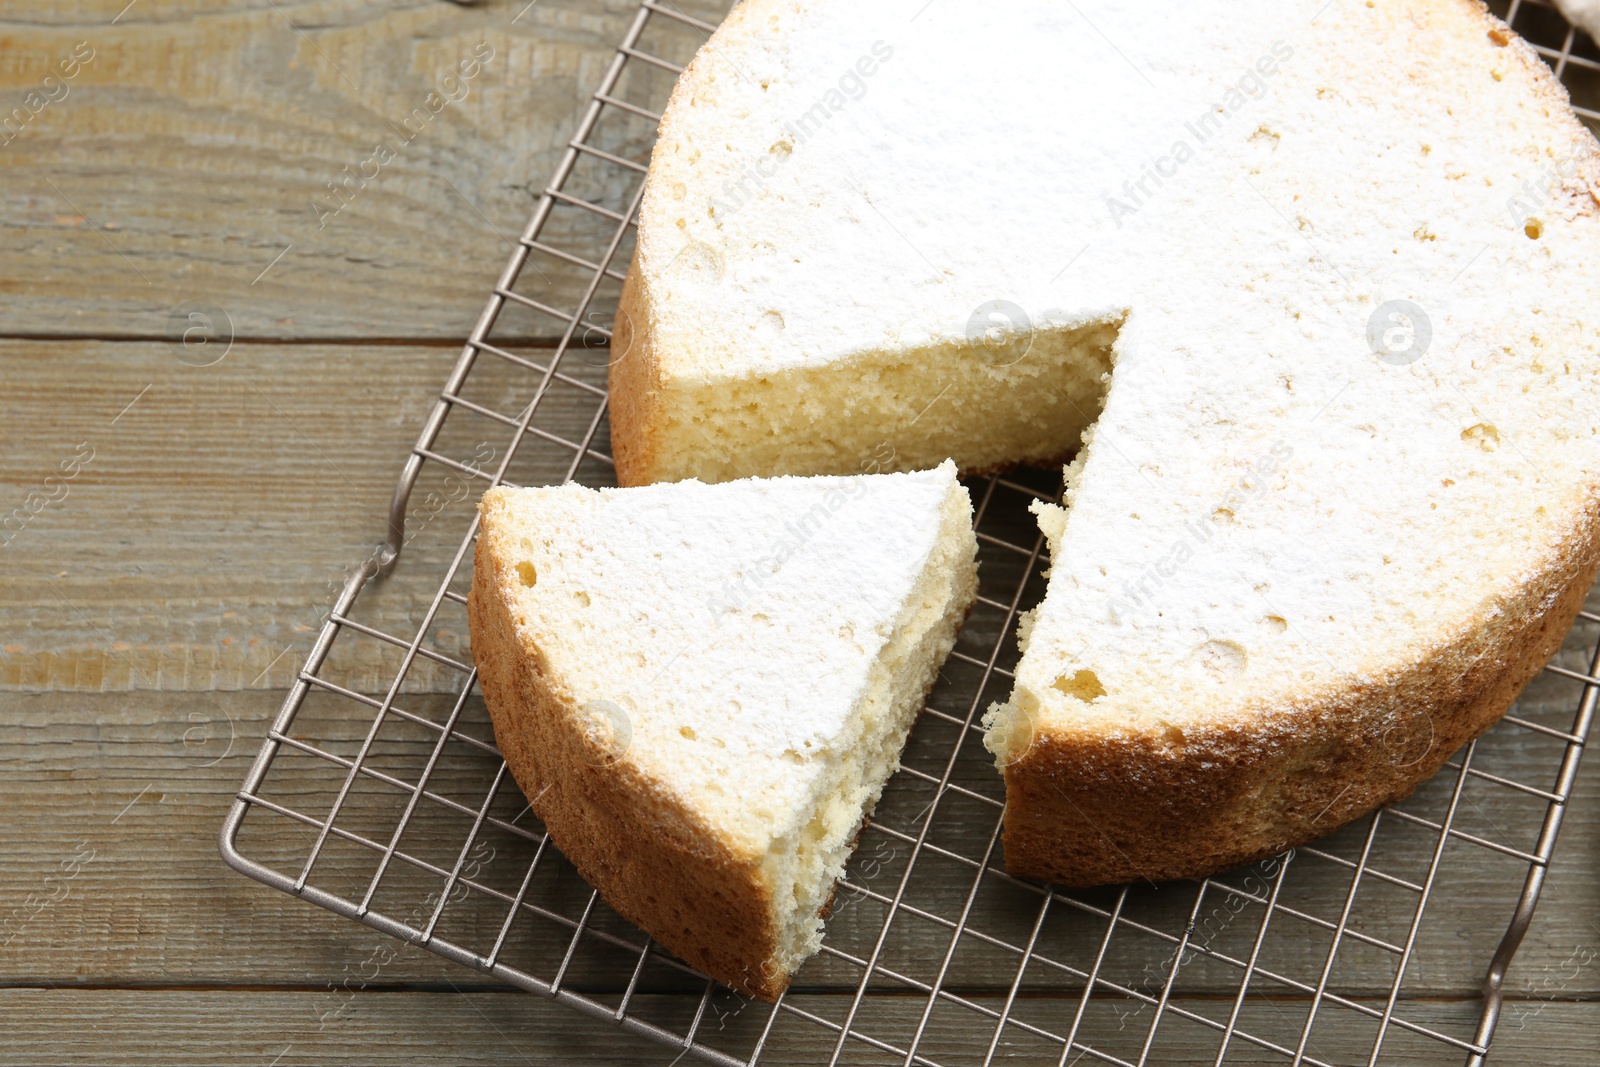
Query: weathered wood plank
[[412, 1029], [182, 527], [186, 144], [113, 803]]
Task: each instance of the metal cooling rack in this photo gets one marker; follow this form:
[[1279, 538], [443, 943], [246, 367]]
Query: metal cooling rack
[[396, 810]]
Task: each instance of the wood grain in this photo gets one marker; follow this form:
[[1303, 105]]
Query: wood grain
[[141, 782], [186, 155], [492, 1028], [201, 541]]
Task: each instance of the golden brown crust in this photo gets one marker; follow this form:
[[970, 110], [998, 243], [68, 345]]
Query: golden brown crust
[[635, 384], [1086, 809], [652, 859]]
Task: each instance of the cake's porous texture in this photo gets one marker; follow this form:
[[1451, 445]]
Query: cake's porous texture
[[1308, 291], [703, 688]]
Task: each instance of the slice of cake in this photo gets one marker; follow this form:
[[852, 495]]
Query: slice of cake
[[1319, 278], [703, 688], [1584, 14]]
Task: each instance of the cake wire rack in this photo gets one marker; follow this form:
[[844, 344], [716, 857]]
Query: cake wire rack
[[389, 804]]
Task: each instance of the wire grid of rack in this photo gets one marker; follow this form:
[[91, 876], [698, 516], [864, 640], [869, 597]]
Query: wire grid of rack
[[410, 823]]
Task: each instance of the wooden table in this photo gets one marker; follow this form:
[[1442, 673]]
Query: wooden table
[[196, 519]]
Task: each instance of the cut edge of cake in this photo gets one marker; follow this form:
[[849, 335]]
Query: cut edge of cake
[[1026, 396], [1092, 800]]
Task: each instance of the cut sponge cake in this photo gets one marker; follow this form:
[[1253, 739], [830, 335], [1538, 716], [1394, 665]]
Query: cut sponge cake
[[1585, 14], [1319, 278], [703, 688]]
